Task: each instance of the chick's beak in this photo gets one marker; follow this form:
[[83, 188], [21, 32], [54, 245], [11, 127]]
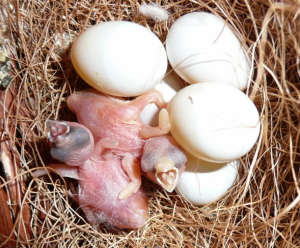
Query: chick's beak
[[56, 129], [166, 174]]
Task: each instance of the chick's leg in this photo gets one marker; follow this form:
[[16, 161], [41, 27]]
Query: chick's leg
[[61, 169], [133, 109], [163, 128], [132, 168]]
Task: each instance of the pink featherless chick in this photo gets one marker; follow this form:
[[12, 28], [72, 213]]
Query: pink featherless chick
[[107, 151], [99, 173], [142, 145]]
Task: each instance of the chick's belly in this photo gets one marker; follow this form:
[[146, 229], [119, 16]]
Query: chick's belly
[[100, 186], [102, 181]]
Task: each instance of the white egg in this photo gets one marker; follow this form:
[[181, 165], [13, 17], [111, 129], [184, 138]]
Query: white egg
[[202, 182], [214, 122], [201, 47], [168, 89], [119, 58]]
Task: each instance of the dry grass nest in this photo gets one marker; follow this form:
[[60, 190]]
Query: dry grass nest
[[261, 210]]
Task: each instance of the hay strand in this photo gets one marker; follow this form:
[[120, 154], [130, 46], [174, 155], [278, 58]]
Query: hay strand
[[261, 210]]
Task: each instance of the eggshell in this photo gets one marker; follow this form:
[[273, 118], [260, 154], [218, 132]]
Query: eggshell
[[214, 122], [168, 89], [201, 47], [202, 182], [119, 58]]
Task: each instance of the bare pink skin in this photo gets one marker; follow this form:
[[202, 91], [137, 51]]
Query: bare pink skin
[[117, 120], [109, 172], [101, 184], [112, 119], [101, 177]]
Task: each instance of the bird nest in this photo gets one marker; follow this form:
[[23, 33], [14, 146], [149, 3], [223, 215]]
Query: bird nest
[[260, 210]]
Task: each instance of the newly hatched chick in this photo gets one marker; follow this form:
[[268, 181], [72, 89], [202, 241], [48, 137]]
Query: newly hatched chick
[[105, 155], [100, 173], [119, 121]]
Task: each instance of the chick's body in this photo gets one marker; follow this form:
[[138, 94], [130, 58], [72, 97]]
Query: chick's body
[[101, 182], [105, 149]]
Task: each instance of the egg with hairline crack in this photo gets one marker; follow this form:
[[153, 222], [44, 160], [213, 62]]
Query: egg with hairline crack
[[202, 47], [214, 122]]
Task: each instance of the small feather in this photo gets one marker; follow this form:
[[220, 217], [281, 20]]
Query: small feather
[[154, 12]]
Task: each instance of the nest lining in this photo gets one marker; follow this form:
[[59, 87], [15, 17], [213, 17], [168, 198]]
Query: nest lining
[[261, 210]]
